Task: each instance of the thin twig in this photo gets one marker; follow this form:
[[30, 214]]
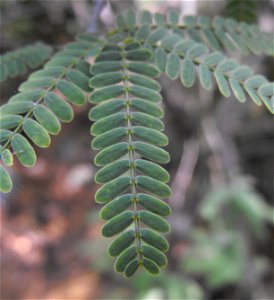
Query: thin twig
[[93, 25], [184, 174]]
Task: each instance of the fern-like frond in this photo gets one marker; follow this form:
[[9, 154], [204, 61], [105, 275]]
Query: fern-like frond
[[128, 133], [15, 63], [34, 114], [218, 34], [180, 57], [242, 10]]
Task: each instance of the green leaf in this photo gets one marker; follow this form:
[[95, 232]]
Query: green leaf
[[143, 32], [182, 47], [83, 67], [212, 42], [47, 119], [237, 39], [160, 19], [160, 59], [154, 204], [23, 150], [252, 94], [50, 72], [237, 90], [205, 77], [197, 50], [131, 268], [125, 258], [189, 21], [155, 255], [147, 107], [151, 152], [61, 62], [106, 93], [222, 84], [111, 153], [187, 74], [105, 67], [120, 21], [122, 242], [153, 186], [227, 65], [116, 206], [173, 66], [108, 123], [106, 108], [145, 93], [154, 239], [36, 133], [154, 221], [4, 134], [112, 170], [105, 79], [109, 138], [28, 96], [11, 108], [144, 68], [139, 55], [131, 19], [109, 56], [151, 266], [242, 73], [266, 89], [118, 224], [157, 35], [59, 107], [256, 81], [5, 181], [144, 81], [214, 58], [8, 122], [227, 43], [170, 41], [146, 120], [151, 169], [79, 79], [150, 135], [42, 83], [7, 157], [112, 189], [71, 92], [146, 17], [173, 17]]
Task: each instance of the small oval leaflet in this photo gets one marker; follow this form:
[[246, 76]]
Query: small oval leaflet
[[116, 206], [153, 186], [125, 258], [5, 181], [36, 133], [23, 150], [112, 189], [154, 204], [117, 224], [111, 153], [155, 255], [154, 221], [122, 242], [112, 170]]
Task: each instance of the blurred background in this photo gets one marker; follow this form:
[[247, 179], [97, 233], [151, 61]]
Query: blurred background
[[221, 176]]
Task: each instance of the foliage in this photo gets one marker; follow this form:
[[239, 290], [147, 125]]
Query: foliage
[[127, 116], [242, 10], [17, 62], [220, 253]]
